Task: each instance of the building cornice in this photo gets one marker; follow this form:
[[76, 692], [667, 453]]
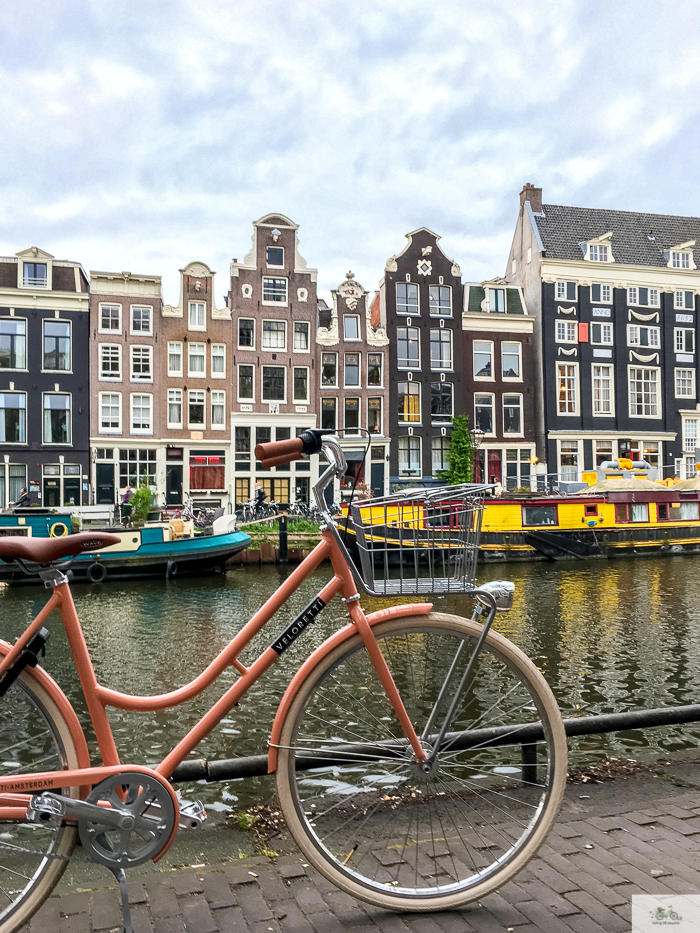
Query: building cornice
[[619, 274]]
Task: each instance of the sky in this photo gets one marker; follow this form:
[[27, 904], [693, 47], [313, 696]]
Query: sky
[[144, 135]]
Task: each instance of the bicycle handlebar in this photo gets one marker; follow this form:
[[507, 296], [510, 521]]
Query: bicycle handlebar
[[275, 453]]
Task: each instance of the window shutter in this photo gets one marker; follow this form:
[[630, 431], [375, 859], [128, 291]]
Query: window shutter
[[582, 333]]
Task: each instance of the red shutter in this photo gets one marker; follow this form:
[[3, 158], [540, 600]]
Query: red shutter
[[583, 333]]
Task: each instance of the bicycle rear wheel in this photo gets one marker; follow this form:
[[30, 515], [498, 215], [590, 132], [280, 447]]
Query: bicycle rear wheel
[[34, 737], [368, 818]]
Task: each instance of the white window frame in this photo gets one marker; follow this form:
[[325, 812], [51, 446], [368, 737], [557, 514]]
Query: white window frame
[[193, 373], [218, 398], [238, 384], [140, 333], [677, 376], [657, 371], [605, 289], [518, 344], [54, 320], [354, 317], [633, 297], [275, 401], [611, 376], [193, 426], [149, 356], [566, 328], [411, 385], [69, 442], [680, 259], [679, 300], [132, 397], [111, 346], [598, 252], [690, 435], [411, 438], [569, 452], [113, 330], [301, 401], [494, 426], [275, 349], [521, 432], [296, 349], [440, 314], [238, 333], [190, 308], [634, 332], [560, 289], [410, 312], [100, 398], [606, 331], [450, 365], [492, 377], [272, 265], [576, 389], [679, 335], [178, 345], [276, 304], [220, 355], [358, 384], [407, 368], [175, 396]]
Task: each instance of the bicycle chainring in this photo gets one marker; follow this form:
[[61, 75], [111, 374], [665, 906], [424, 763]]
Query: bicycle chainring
[[149, 819]]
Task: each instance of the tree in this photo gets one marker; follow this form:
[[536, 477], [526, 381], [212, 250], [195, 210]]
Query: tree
[[141, 501], [460, 455]]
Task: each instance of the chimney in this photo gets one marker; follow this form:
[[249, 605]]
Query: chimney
[[533, 195]]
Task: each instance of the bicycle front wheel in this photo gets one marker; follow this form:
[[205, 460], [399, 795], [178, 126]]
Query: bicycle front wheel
[[369, 817], [34, 736]]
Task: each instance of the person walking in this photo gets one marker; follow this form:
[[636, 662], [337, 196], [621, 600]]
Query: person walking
[[126, 506], [24, 500]]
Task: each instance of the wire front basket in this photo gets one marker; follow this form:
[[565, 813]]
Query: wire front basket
[[419, 540]]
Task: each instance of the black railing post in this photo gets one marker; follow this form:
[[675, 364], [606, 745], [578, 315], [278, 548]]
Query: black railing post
[[283, 539], [529, 760]]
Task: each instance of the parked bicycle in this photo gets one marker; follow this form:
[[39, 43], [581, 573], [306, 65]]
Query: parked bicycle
[[427, 784]]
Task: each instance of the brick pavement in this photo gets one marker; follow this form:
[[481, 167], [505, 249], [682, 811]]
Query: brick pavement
[[642, 837]]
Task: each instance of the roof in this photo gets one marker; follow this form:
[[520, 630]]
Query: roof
[[620, 484], [562, 229]]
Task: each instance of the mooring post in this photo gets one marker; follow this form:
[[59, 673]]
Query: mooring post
[[283, 539]]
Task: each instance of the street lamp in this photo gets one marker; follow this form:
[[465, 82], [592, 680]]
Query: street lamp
[[477, 436]]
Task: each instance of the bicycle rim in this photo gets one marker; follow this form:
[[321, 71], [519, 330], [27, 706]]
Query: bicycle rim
[[369, 819], [33, 737]]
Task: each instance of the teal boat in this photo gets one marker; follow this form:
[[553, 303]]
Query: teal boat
[[158, 549]]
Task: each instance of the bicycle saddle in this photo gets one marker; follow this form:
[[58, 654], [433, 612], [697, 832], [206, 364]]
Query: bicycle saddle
[[47, 550]]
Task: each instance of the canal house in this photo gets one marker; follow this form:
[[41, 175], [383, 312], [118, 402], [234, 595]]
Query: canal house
[[44, 382]]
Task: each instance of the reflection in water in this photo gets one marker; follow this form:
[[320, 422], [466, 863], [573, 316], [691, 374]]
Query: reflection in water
[[608, 637]]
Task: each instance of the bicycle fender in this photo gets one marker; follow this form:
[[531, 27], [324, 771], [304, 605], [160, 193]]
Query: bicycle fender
[[392, 612]]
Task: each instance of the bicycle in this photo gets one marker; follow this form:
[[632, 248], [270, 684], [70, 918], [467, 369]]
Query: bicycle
[[428, 788]]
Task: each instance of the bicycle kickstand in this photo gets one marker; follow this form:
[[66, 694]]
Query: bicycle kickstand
[[120, 875]]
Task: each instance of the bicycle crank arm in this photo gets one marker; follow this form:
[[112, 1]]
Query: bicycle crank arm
[[192, 814], [44, 806]]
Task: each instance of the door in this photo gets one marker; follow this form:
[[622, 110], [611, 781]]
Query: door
[[104, 479], [173, 484], [52, 493], [494, 466], [377, 479], [71, 490]]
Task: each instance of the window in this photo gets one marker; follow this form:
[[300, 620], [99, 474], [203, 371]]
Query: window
[[275, 290], [174, 358], [13, 344], [688, 511], [643, 336], [274, 335], [684, 339], [565, 291], [566, 388], [603, 452], [110, 318], [57, 346], [483, 413], [440, 298], [602, 390], [644, 392], [568, 460], [275, 255], [678, 260], [242, 448], [441, 348], [136, 467], [141, 364], [512, 414], [602, 293], [328, 414], [197, 315], [301, 335], [440, 449], [245, 383], [13, 417], [246, 333], [685, 383], [242, 490], [110, 411], [140, 320], [374, 415], [409, 401], [195, 416], [352, 369], [141, 414], [441, 407], [567, 332], [352, 414], [196, 365], [684, 301], [301, 383], [598, 253], [207, 470], [329, 369], [497, 301], [34, 275], [510, 360], [483, 359], [601, 333], [539, 515], [57, 426], [218, 410], [407, 298], [351, 326], [174, 408], [407, 348], [409, 456], [273, 383], [690, 434], [646, 297], [374, 369], [635, 512], [110, 361], [218, 360]]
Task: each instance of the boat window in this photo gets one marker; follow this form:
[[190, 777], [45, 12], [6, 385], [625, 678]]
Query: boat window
[[539, 515], [591, 510], [662, 511], [636, 512], [689, 511]]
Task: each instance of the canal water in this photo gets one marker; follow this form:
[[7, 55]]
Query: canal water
[[608, 636]]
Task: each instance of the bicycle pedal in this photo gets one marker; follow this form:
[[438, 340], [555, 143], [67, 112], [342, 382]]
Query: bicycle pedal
[[192, 815]]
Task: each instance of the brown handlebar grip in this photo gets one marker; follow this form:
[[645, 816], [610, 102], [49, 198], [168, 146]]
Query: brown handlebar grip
[[276, 453]]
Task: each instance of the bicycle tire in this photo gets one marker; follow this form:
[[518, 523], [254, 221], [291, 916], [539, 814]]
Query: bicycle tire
[[376, 828], [29, 709]]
